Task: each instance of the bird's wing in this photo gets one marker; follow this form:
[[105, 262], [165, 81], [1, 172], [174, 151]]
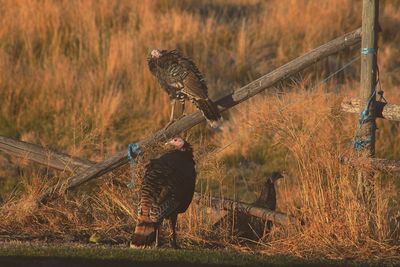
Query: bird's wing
[[182, 180], [162, 77], [194, 83], [160, 187], [182, 74], [194, 88], [160, 196], [167, 69]]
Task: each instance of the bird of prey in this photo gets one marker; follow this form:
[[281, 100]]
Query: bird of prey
[[182, 80], [167, 189]]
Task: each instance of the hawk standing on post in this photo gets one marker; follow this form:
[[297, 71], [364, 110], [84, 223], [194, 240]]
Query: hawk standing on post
[[182, 80]]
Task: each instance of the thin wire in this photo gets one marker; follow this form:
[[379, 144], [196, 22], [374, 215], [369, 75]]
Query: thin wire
[[326, 79], [311, 89], [336, 72]]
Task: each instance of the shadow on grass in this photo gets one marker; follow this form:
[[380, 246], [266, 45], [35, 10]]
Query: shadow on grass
[[84, 262], [78, 255], [24, 261]]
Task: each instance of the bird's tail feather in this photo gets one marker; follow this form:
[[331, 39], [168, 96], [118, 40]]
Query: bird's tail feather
[[210, 111], [145, 230], [145, 234]]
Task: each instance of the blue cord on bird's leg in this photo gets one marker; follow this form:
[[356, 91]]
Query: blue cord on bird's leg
[[132, 148]]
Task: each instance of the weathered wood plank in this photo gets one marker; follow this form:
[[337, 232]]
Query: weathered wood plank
[[386, 165], [382, 110], [228, 204], [224, 103], [374, 164], [68, 163], [42, 155]]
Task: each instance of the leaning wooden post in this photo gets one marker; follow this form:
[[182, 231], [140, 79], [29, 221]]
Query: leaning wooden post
[[365, 134]]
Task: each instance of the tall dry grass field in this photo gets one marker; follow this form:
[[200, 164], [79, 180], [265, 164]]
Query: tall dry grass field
[[74, 77]]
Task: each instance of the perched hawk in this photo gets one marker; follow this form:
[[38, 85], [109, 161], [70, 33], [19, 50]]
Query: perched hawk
[[181, 79], [167, 189]]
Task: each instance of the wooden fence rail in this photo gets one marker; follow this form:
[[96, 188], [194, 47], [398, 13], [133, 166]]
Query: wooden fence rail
[[42, 155], [382, 165], [228, 204], [64, 162], [346, 41]]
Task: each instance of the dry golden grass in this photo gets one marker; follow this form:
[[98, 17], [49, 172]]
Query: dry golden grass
[[315, 136], [73, 76]]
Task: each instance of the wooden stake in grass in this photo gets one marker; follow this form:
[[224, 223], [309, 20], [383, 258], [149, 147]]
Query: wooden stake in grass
[[365, 134]]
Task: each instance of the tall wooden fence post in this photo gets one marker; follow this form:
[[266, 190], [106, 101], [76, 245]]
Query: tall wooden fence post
[[365, 135]]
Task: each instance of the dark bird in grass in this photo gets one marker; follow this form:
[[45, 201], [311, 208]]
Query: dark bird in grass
[[182, 80], [267, 199], [167, 189], [248, 227]]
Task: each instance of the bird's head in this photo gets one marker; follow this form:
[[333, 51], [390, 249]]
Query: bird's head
[[155, 54], [275, 176], [177, 143]]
